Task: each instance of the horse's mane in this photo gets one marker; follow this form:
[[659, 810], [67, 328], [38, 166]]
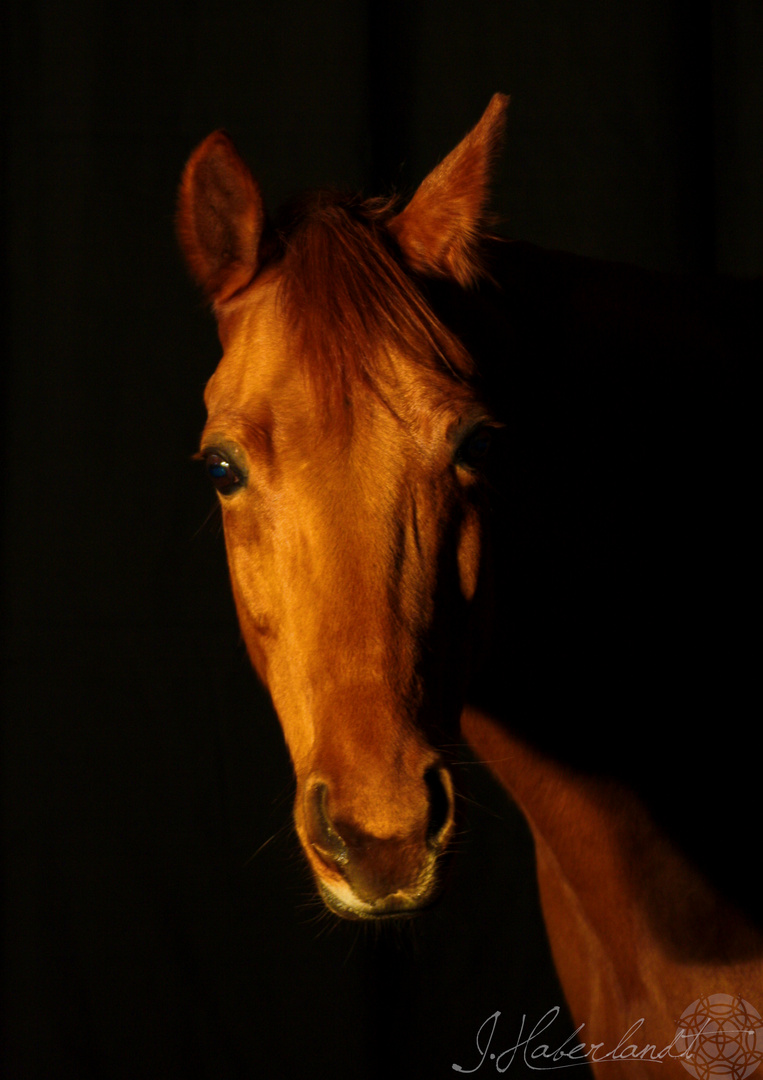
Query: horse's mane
[[349, 298]]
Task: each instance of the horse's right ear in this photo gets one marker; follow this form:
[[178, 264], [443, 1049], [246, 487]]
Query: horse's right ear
[[440, 230], [219, 219]]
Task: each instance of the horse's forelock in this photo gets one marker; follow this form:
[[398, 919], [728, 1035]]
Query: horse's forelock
[[351, 302]]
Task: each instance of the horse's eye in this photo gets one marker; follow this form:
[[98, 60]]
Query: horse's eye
[[474, 451], [222, 473]]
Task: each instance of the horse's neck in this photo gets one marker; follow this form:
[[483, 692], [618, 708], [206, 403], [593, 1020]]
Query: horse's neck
[[634, 928], [605, 844], [620, 643], [625, 548]]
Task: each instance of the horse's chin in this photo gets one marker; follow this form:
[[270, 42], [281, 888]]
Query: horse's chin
[[342, 901]]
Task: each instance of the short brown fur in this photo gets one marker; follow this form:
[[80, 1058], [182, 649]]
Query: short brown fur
[[365, 563]]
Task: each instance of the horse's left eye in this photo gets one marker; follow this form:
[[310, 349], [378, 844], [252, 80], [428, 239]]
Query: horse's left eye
[[474, 451], [222, 473]]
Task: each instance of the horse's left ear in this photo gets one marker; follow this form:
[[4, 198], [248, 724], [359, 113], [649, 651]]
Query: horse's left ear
[[440, 228], [219, 218]]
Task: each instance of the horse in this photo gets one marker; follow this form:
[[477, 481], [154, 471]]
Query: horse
[[475, 490]]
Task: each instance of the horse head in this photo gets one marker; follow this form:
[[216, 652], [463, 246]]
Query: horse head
[[348, 444]]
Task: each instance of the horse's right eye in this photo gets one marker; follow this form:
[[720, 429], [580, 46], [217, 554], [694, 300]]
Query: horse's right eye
[[224, 475], [474, 451]]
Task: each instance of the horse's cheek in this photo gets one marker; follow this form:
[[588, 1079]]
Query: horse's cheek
[[251, 594], [469, 554]]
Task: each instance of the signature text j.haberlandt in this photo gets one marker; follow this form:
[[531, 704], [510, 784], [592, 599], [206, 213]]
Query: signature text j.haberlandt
[[543, 1054]]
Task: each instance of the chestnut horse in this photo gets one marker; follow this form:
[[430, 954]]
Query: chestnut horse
[[470, 486]]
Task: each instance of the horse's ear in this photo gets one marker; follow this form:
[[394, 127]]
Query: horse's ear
[[219, 218], [440, 228]]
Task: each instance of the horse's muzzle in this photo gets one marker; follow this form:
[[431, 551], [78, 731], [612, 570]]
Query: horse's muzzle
[[363, 876]]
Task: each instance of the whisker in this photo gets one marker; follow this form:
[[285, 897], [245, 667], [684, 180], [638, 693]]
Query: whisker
[[262, 847], [213, 511], [479, 806], [279, 833]]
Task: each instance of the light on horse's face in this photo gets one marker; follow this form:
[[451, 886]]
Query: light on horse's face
[[347, 456], [355, 552]]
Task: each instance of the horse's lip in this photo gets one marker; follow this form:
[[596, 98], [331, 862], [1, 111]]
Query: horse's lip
[[398, 908]]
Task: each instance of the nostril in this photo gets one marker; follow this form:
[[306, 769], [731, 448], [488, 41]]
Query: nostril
[[324, 836], [440, 803]]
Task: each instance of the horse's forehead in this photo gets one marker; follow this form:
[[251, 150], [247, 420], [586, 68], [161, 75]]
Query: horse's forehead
[[257, 361], [263, 378]]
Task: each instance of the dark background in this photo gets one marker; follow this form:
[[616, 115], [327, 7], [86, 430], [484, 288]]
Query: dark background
[[159, 919]]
